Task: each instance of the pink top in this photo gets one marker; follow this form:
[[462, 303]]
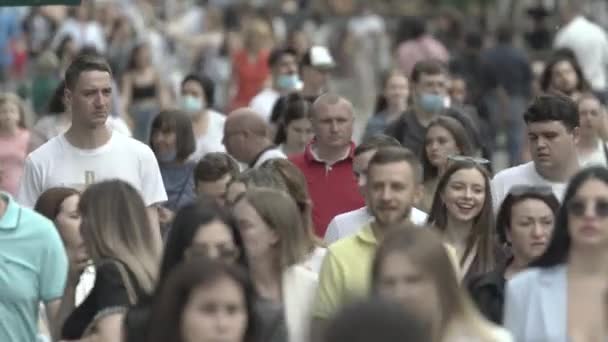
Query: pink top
[[413, 51], [13, 151]]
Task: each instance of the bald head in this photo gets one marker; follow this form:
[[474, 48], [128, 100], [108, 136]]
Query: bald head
[[331, 100], [246, 120]]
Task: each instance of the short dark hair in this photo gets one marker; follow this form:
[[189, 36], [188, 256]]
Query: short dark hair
[[294, 107], [277, 53], [178, 122], [428, 67], [215, 165], [389, 155], [503, 219], [559, 248], [206, 83], [553, 107], [56, 104], [375, 142], [83, 63]]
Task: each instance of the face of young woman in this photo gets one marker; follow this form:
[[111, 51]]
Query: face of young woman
[[531, 228], [591, 116], [403, 281], [164, 143], [9, 116], [259, 239], [397, 90], [68, 223], [465, 194], [439, 145], [215, 313], [588, 215], [299, 134], [213, 240]]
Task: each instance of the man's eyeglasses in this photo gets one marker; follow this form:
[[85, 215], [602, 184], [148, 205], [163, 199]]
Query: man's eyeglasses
[[520, 190], [468, 159], [579, 207]]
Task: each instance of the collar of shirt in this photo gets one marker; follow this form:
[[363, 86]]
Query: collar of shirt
[[12, 214], [311, 154], [366, 234], [259, 155]]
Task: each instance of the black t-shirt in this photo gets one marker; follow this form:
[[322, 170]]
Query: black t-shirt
[[109, 294]]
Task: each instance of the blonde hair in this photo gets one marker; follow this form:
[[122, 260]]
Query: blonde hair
[[115, 225], [280, 212], [425, 250], [257, 34], [10, 98]]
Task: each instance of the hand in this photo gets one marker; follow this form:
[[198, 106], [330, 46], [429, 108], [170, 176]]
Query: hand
[[165, 215]]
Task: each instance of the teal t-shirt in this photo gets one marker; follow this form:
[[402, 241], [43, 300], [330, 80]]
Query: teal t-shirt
[[33, 269]]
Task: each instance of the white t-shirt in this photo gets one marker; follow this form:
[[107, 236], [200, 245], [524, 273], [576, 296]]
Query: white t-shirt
[[350, 223], [264, 101], [212, 140], [596, 158], [272, 153], [58, 163], [524, 174]]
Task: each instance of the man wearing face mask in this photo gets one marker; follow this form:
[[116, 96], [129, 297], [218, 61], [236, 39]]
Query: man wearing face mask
[[430, 98], [283, 64], [197, 95]]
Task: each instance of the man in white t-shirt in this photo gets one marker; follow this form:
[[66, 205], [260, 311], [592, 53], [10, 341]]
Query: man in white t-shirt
[[247, 138], [552, 125], [350, 223], [283, 64], [89, 151]]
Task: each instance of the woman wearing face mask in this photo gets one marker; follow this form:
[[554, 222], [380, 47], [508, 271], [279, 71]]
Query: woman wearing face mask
[[462, 214], [277, 246], [444, 137], [561, 297], [172, 142], [197, 95], [591, 148], [524, 224], [412, 267], [391, 103], [294, 130], [204, 301]]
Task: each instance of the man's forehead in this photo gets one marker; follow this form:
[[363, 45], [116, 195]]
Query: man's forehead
[[433, 77], [94, 79], [552, 126]]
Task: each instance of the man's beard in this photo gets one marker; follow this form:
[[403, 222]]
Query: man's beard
[[402, 218]]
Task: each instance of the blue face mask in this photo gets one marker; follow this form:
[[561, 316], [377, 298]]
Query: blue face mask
[[289, 82], [192, 104], [167, 157], [431, 103]]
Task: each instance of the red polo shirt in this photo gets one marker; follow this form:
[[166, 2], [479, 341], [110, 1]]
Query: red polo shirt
[[333, 188]]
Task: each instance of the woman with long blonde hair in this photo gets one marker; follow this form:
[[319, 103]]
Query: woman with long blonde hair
[[277, 247], [413, 267], [115, 229]]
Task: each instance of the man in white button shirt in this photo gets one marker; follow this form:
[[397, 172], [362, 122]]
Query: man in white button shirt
[[349, 223], [588, 41]]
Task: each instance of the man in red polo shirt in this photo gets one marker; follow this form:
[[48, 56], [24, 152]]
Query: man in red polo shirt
[[327, 161]]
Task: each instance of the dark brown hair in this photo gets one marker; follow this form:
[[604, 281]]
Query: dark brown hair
[[83, 63], [49, 203], [460, 136], [215, 165], [294, 107], [178, 122], [428, 67]]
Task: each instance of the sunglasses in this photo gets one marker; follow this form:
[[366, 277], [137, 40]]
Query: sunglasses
[[223, 253], [579, 207], [520, 190], [468, 159]]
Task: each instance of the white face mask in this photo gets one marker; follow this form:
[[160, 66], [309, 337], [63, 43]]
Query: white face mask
[[192, 104]]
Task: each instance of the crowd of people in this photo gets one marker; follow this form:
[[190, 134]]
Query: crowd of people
[[197, 175]]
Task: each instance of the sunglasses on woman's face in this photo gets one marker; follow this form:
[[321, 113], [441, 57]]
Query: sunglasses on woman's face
[[520, 190], [578, 208]]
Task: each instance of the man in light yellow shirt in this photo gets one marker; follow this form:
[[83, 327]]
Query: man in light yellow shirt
[[394, 184]]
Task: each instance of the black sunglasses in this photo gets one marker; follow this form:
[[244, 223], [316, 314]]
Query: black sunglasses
[[579, 207], [468, 159], [520, 190]]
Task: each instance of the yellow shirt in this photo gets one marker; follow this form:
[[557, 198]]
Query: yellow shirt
[[346, 272]]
